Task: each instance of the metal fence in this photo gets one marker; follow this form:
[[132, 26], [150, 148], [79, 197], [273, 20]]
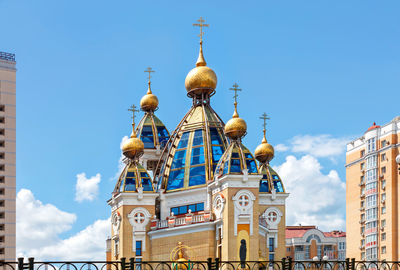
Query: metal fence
[[210, 264]]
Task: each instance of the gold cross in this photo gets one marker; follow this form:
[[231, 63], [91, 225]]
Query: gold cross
[[201, 24], [236, 89], [264, 117], [133, 110], [149, 70]]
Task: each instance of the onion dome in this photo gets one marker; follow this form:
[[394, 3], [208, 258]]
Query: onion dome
[[235, 160], [264, 153], [134, 178], [149, 102], [201, 80], [236, 127], [133, 147], [270, 180]]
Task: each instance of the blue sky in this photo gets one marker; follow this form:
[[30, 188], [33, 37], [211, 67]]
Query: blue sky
[[323, 70]]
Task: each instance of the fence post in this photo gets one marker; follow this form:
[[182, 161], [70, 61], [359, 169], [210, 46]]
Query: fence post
[[283, 263], [209, 264], [123, 263], [347, 264], [31, 263], [131, 263], [289, 263], [20, 263], [216, 263], [353, 264]]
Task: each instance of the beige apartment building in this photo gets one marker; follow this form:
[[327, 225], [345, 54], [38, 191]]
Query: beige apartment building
[[7, 156], [372, 191]]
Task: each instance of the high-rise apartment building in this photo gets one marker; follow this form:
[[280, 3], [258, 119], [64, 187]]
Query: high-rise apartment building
[[7, 156], [372, 190]]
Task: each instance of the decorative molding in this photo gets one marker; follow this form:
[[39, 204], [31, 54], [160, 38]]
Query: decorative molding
[[139, 218], [243, 214], [188, 229], [272, 217], [218, 206]]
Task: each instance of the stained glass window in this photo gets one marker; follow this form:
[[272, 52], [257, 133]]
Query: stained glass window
[[197, 176], [278, 186], [130, 182], [264, 185], [162, 135], [251, 166], [147, 137]]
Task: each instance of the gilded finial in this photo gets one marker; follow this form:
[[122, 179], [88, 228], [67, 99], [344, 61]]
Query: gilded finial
[[201, 23], [235, 89], [133, 110], [264, 117], [149, 70]]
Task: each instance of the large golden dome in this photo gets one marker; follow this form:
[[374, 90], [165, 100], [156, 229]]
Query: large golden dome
[[201, 79], [133, 147], [149, 102], [236, 127], [264, 152]]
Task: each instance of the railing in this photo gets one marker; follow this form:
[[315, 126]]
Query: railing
[[7, 56], [188, 219], [210, 264]]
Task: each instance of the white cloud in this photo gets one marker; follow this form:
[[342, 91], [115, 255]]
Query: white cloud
[[86, 188], [281, 147], [319, 145], [315, 198], [39, 226], [121, 163]]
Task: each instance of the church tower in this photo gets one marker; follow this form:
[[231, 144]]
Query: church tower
[[235, 196], [132, 204]]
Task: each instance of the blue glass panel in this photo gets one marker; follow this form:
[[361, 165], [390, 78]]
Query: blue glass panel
[[147, 131], [248, 155], [215, 138], [198, 137], [130, 184], [184, 140], [197, 156], [264, 186], [179, 159], [147, 141], [175, 179], [146, 184], [235, 155], [278, 186], [197, 176], [182, 210], [226, 168], [192, 207], [251, 165], [217, 152], [175, 210], [265, 176], [144, 174], [162, 135], [138, 244], [235, 166], [130, 174], [200, 207], [275, 177]]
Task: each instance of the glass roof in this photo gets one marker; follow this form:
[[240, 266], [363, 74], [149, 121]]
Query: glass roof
[[134, 176], [235, 159], [194, 152], [270, 180], [152, 131]]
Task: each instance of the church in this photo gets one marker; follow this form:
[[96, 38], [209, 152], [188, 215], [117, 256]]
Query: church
[[196, 192]]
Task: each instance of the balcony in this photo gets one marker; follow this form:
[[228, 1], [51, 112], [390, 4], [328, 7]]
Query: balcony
[[172, 221]]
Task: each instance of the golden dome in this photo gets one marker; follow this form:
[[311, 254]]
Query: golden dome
[[133, 147], [236, 127], [201, 79], [149, 102], [264, 152]]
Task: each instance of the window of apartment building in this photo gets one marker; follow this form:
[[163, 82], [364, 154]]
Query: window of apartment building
[[288, 249], [362, 256], [383, 197], [307, 252], [2, 227], [2, 167], [2, 191], [362, 204], [1, 250], [383, 250], [362, 165], [383, 223], [2, 143], [383, 236], [319, 251], [362, 191], [362, 179], [2, 120], [383, 170], [371, 200], [371, 175], [383, 184], [362, 217], [362, 229], [371, 145], [362, 242], [383, 209], [383, 157], [362, 153], [2, 179], [2, 155], [371, 162], [383, 143], [138, 248], [2, 132], [2, 203], [371, 213], [2, 215], [2, 108], [2, 239]]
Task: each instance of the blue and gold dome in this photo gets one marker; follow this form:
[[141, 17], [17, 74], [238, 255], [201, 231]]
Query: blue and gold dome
[[134, 177], [270, 180]]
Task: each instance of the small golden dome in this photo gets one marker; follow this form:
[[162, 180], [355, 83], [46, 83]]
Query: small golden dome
[[236, 127], [201, 79], [149, 102], [133, 147], [264, 152]]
